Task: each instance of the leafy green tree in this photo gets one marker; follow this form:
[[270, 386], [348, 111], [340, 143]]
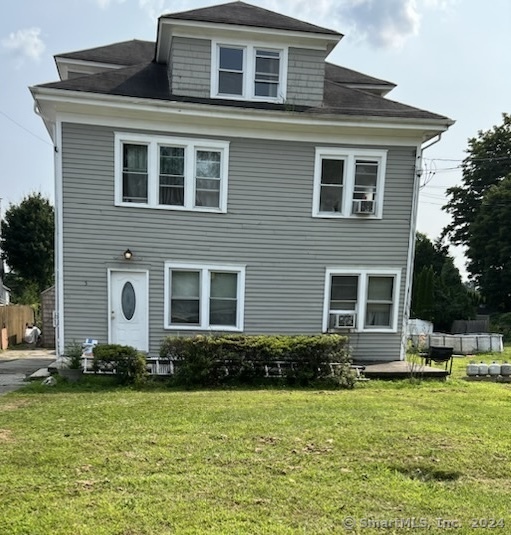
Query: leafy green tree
[[480, 219], [489, 249], [28, 247], [487, 163], [423, 296], [439, 294]]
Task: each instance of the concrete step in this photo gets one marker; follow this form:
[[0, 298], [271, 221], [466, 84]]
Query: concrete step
[[41, 373]]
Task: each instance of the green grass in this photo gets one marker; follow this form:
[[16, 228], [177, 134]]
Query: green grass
[[98, 459]]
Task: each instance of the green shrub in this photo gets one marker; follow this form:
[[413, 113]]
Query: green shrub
[[501, 323], [241, 359], [128, 365], [73, 351]]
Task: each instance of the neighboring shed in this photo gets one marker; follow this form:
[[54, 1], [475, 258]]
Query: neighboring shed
[[47, 317]]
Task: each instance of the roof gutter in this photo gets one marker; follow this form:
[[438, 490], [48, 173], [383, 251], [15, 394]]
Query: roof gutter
[[434, 142], [65, 96]]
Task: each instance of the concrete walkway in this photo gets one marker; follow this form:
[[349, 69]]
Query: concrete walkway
[[17, 365]]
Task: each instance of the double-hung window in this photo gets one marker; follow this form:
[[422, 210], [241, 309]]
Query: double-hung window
[[171, 173], [361, 300], [267, 73], [135, 173], [231, 61], [249, 72], [204, 297], [348, 182]]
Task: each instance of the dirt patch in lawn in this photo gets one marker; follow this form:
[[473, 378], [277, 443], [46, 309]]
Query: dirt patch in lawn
[[14, 405], [6, 435]]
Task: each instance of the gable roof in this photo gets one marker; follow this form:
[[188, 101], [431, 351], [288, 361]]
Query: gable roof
[[243, 14]]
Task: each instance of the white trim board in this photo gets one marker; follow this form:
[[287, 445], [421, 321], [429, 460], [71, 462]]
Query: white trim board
[[318, 134]]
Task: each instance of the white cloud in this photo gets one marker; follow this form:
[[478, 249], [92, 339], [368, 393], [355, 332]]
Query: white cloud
[[103, 4], [153, 8], [443, 5], [385, 24], [25, 44], [381, 23]]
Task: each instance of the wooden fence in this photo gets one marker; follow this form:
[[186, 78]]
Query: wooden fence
[[13, 318]]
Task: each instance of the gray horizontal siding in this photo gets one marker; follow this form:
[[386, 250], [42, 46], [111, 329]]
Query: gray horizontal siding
[[190, 71], [190, 67], [306, 75], [268, 227]]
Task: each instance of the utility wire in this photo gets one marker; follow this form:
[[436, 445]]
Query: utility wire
[[23, 128], [468, 158]]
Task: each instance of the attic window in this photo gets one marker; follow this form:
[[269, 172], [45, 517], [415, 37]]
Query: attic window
[[248, 72], [267, 69], [230, 72]]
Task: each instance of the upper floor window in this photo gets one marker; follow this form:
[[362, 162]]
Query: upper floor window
[[249, 72], [230, 70], [267, 73], [349, 182], [171, 173]]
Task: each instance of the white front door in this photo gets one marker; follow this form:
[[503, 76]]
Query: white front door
[[128, 308]]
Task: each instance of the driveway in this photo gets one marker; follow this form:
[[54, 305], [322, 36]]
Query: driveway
[[16, 365]]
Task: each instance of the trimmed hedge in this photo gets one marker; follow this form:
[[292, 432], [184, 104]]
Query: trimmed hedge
[[128, 365], [241, 359]]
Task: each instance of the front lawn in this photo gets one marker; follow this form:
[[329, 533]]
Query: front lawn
[[80, 460]]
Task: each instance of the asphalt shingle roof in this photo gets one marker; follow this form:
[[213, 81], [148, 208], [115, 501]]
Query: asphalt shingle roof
[[142, 77], [151, 81], [125, 53], [242, 14], [343, 75], [135, 52]]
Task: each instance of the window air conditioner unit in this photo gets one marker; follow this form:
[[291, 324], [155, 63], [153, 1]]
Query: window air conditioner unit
[[363, 207], [344, 320]]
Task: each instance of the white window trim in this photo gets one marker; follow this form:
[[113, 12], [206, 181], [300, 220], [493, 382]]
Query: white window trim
[[204, 270], [190, 145], [249, 52], [349, 156], [363, 275]]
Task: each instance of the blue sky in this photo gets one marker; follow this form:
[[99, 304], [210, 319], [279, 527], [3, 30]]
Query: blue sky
[[447, 56]]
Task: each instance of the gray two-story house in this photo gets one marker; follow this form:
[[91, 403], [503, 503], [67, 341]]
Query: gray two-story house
[[226, 178]]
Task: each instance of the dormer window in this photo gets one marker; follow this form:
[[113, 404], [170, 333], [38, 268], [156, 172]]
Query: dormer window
[[248, 72], [267, 70], [230, 70]]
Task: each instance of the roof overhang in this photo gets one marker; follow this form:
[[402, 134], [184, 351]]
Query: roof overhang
[[131, 112], [169, 28], [381, 90], [64, 65]]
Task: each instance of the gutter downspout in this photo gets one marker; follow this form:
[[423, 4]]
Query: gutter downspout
[[54, 132], [411, 244]]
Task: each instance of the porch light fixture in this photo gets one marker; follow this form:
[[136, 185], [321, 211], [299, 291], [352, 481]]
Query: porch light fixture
[[127, 254]]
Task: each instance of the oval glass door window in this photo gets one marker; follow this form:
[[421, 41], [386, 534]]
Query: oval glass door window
[[128, 301]]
